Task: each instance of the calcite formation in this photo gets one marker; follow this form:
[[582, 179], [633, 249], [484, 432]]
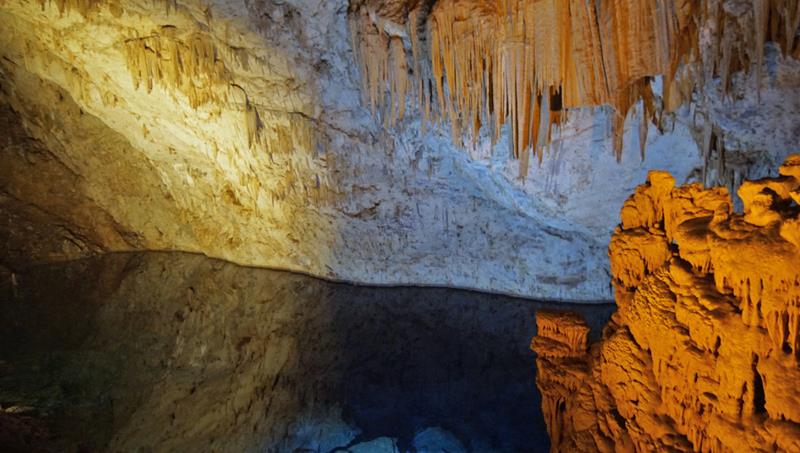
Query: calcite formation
[[528, 62], [235, 129], [702, 354], [561, 345]]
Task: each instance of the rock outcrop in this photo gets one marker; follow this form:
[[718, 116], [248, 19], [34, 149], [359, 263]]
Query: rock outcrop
[[702, 354]]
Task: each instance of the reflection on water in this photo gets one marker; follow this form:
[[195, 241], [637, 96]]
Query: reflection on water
[[176, 352]]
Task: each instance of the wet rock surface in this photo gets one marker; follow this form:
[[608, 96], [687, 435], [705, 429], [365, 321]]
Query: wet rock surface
[[177, 352]]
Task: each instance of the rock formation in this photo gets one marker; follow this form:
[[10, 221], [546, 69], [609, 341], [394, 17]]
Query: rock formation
[[702, 354], [236, 129], [562, 368], [528, 62]]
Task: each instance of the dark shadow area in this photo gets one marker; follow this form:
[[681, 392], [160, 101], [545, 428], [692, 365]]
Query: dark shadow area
[[177, 352]]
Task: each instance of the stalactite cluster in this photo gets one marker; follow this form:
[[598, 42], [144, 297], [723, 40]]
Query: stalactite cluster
[[703, 353], [525, 62], [198, 68], [82, 7], [87, 7], [382, 63], [191, 66]]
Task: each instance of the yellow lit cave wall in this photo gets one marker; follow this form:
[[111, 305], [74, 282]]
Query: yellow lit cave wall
[[224, 151]]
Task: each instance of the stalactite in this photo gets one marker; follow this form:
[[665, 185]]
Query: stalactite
[[760, 17], [191, 66], [86, 7], [252, 123], [82, 7], [495, 61], [383, 65]]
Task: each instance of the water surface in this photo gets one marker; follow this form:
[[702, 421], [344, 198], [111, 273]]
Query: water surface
[[178, 352]]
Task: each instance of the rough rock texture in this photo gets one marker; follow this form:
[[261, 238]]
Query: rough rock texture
[[562, 368], [485, 63], [21, 434], [702, 354], [236, 129]]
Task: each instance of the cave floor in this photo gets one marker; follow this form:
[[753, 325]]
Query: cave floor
[[179, 352]]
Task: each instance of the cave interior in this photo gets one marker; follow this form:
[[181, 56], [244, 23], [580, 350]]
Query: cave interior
[[400, 225]]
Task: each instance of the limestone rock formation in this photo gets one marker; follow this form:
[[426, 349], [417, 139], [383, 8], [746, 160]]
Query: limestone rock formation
[[236, 129], [528, 62], [703, 352], [562, 368]]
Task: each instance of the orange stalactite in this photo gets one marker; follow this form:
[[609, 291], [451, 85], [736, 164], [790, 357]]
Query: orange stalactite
[[589, 57], [494, 62]]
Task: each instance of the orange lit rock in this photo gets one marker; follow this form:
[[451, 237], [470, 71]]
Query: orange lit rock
[[561, 348], [702, 354]]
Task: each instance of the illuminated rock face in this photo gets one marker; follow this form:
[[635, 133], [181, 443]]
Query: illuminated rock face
[[702, 354], [236, 129], [481, 64]]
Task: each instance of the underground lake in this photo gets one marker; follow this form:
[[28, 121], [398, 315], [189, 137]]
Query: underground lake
[[179, 352]]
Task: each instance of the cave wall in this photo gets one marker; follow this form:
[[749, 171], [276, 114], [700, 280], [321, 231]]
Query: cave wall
[[702, 353], [236, 129]]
